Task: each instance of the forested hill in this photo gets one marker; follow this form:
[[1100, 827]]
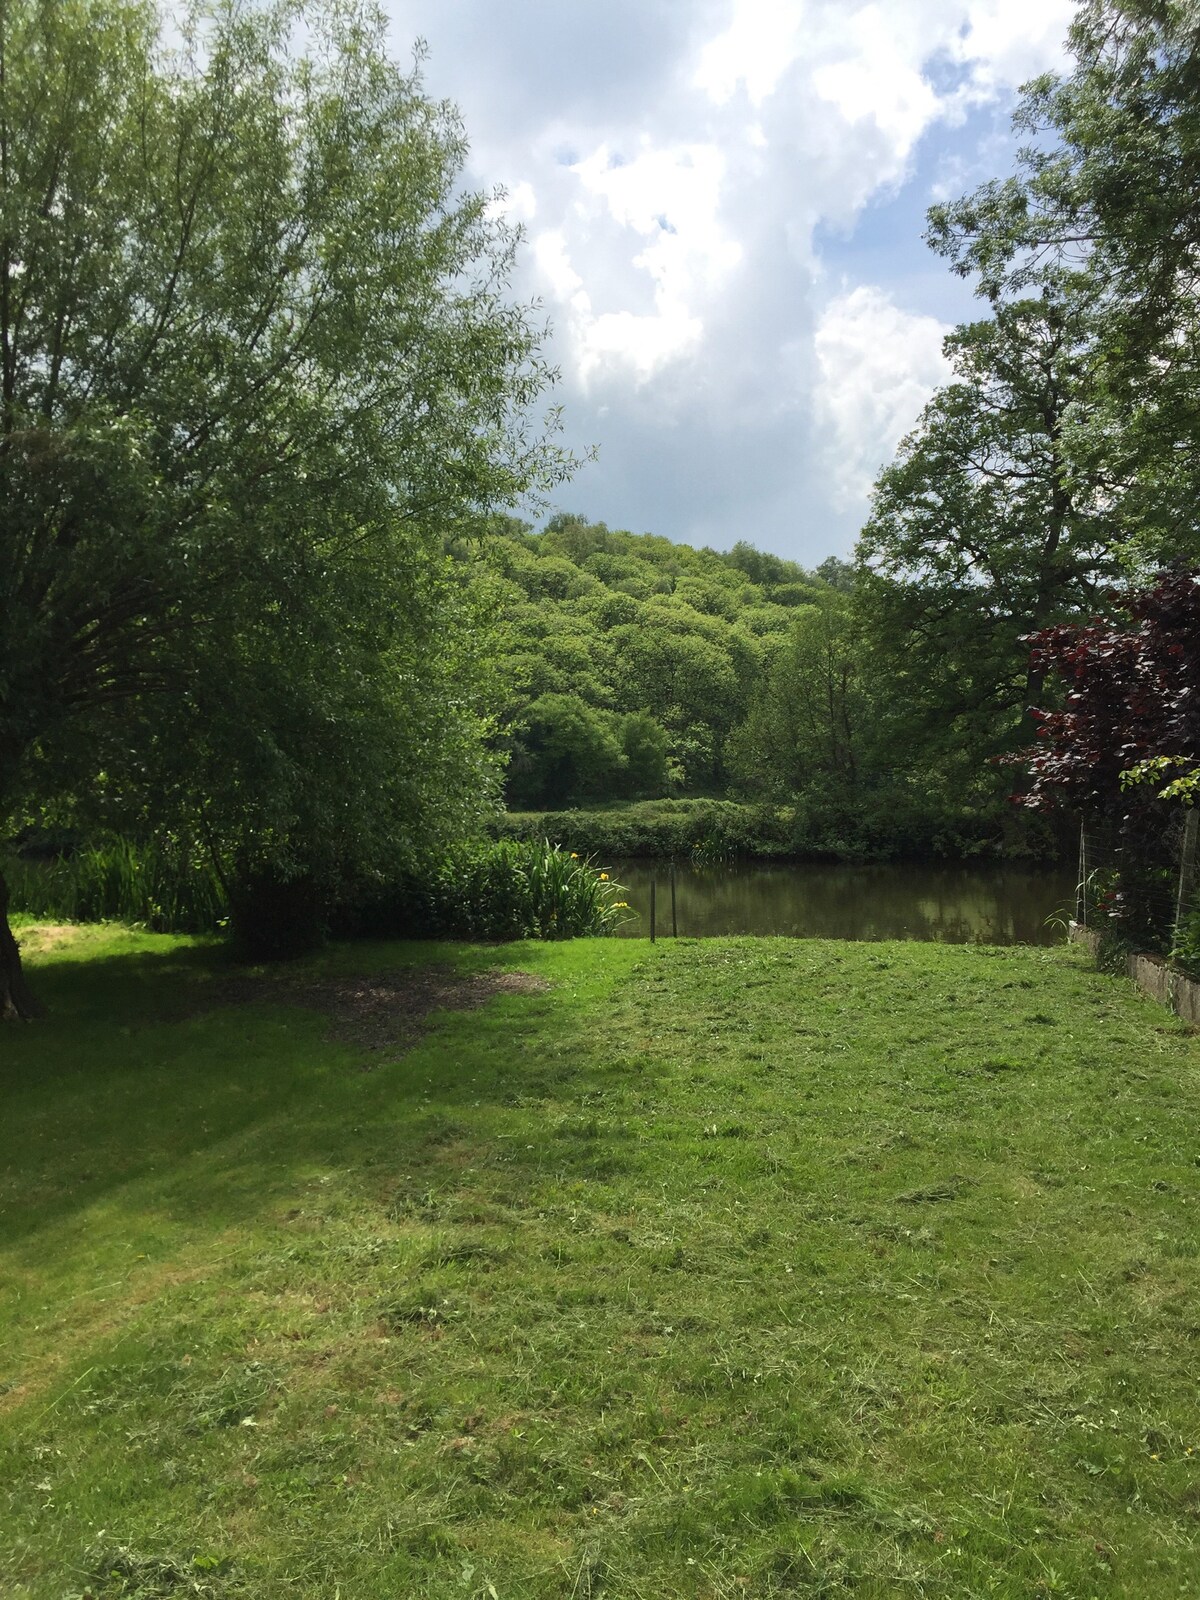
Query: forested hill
[[627, 662], [627, 667]]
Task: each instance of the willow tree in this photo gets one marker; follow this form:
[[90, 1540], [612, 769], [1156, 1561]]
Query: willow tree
[[257, 363]]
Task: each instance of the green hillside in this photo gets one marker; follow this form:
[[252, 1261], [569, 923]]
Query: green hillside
[[627, 661]]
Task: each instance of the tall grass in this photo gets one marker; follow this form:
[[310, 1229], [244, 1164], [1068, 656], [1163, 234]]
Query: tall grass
[[163, 887], [514, 889], [506, 890]]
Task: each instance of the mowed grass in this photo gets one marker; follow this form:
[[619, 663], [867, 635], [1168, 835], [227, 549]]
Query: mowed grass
[[736, 1268]]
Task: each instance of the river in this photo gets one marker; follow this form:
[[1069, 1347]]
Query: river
[[953, 904]]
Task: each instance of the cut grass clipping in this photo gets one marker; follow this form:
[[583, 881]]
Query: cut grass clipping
[[743, 1268]]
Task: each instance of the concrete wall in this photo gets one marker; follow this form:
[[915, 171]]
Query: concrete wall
[[1153, 977]]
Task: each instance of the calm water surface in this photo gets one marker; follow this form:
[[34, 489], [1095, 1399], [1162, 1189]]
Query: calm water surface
[[956, 905]]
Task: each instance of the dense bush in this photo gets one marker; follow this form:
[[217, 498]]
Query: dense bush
[[1186, 951], [507, 890], [897, 825], [711, 830], [512, 889]]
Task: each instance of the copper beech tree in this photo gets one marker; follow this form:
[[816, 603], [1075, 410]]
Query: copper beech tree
[[1131, 713], [1132, 696]]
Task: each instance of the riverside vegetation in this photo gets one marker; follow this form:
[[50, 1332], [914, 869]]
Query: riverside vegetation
[[524, 889], [725, 1270], [269, 611]]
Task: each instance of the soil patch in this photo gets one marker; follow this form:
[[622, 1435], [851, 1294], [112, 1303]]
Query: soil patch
[[387, 1012]]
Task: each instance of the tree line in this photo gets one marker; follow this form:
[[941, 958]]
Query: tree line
[[1043, 487], [1034, 547], [267, 408]]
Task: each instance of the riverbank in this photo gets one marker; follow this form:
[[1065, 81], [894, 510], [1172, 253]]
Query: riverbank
[[737, 1268], [724, 830], [711, 830]]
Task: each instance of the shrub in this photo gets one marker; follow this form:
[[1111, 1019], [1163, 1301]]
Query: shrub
[[513, 889], [506, 890], [887, 826], [708, 829], [164, 885]]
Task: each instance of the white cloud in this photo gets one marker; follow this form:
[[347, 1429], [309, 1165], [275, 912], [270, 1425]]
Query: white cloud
[[667, 199], [1007, 41], [877, 365], [756, 49], [521, 203], [692, 178], [878, 77], [640, 344]]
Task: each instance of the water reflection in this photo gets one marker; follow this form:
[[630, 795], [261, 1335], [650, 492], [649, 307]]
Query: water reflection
[[955, 905]]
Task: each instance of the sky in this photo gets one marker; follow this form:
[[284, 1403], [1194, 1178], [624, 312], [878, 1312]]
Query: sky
[[723, 204]]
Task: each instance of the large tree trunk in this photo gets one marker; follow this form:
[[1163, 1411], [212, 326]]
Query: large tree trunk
[[16, 1002]]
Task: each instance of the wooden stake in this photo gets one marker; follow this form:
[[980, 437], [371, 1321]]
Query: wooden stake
[[1187, 868]]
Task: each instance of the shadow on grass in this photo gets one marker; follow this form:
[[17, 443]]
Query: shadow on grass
[[148, 1089]]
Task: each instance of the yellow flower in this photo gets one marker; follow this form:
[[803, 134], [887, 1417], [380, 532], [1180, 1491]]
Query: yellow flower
[[604, 877], [574, 855]]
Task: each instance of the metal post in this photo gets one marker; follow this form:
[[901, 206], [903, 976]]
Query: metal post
[[1187, 868], [674, 922], [653, 887], [1081, 890]]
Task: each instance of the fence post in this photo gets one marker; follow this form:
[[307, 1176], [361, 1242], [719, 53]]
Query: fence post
[[1081, 888], [674, 923], [653, 907], [1187, 868]]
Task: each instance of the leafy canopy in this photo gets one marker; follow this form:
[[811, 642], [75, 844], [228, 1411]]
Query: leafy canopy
[[258, 362]]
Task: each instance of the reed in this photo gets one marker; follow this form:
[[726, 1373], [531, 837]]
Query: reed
[[506, 890], [513, 889], [162, 886]]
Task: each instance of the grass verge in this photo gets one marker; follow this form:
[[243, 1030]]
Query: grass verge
[[723, 1269]]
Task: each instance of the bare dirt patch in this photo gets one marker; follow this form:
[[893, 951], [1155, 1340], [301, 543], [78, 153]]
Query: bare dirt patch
[[387, 1012]]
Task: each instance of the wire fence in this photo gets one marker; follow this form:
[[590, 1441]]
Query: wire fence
[[1140, 884]]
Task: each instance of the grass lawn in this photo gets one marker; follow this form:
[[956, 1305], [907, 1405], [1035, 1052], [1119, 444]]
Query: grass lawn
[[733, 1269]]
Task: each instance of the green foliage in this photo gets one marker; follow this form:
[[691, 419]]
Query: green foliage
[[503, 890], [1185, 952], [567, 751], [260, 366], [1104, 196], [597, 626], [506, 890], [717, 675], [167, 886], [884, 823], [983, 530], [1184, 786], [1063, 455], [710, 829], [646, 746], [813, 719]]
